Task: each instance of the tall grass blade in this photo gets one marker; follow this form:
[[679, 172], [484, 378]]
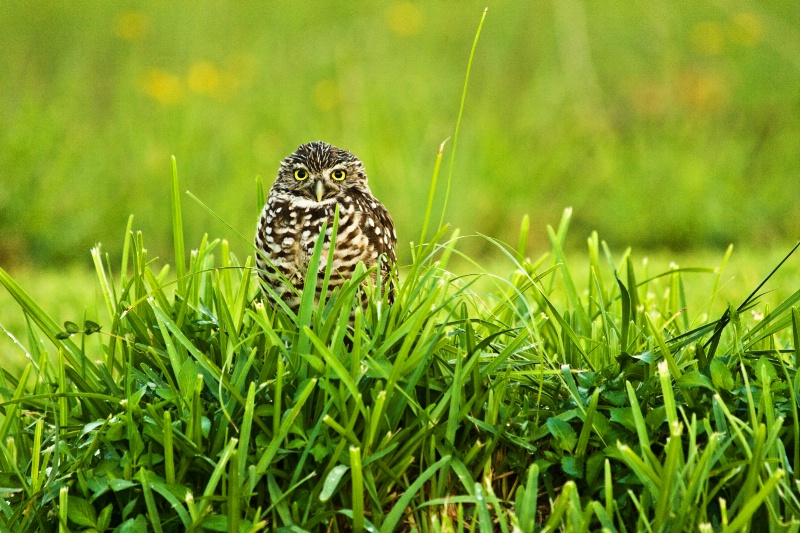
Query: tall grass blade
[[745, 516], [260, 197], [358, 489], [177, 229], [431, 194], [149, 500], [460, 115], [392, 520]]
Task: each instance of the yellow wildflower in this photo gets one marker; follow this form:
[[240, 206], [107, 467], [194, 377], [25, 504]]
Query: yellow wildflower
[[203, 78], [404, 18], [746, 29], [131, 25], [163, 87]]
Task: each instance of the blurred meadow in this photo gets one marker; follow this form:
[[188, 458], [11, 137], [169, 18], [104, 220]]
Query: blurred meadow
[[665, 126]]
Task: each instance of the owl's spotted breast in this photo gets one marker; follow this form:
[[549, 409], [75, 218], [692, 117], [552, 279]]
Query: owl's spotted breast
[[292, 220]]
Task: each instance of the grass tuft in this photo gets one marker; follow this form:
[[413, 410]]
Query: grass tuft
[[510, 401]]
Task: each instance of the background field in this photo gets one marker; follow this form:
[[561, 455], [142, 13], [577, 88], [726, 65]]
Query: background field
[[662, 126]]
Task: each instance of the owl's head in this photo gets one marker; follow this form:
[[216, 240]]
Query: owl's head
[[318, 171]]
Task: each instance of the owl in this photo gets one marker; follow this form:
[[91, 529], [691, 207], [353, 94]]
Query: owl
[[311, 183]]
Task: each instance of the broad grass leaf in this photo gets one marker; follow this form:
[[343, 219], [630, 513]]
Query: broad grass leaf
[[133, 525], [315, 362], [594, 466], [656, 417], [121, 484], [695, 379], [81, 512], [762, 365], [187, 377], [332, 481], [117, 430], [104, 519], [564, 434], [320, 451], [624, 416], [98, 485], [572, 466], [721, 375], [616, 397], [216, 522]]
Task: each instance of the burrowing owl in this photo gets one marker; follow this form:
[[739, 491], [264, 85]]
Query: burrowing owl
[[310, 184]]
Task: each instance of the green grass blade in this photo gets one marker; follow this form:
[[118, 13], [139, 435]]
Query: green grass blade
[[572, 292], [460, 115], [668, 492], [527, 496], [216, 215], [717, 278], [10, 417], [260, 198], [234, 495], [662, 345], [358, 489], [177, 229], [431, 194], [560, 507], [392, 521], [216, 475], [745, 516], [285, 427], [63, 509], [149, 500]]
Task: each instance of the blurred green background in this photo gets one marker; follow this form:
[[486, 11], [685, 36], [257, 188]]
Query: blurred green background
[[665, 125]]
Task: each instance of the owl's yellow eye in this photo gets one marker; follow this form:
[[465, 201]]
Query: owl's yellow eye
[[300, 174], [338, 175]]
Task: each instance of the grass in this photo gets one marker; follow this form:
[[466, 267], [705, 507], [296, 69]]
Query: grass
[[535, 402]]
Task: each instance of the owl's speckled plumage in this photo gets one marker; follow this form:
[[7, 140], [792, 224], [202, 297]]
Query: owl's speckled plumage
[[305, 194]]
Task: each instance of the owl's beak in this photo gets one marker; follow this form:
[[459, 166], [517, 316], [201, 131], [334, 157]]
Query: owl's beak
[[320, 190]]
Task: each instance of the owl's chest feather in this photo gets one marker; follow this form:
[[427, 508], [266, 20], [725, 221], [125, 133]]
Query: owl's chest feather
[[296, 227]]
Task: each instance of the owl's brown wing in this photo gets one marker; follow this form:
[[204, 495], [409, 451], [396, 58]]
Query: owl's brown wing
[[384, 242], [387, 239], [276, 259]]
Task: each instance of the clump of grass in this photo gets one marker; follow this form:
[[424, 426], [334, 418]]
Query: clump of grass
[[532, 404]]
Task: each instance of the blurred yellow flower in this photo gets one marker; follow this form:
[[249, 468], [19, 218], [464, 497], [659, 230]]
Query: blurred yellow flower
[[746, 29], [708, 38], [131, 25], [326, 95], [702, 91], [163, 87], [204, 78], [404, 18]]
